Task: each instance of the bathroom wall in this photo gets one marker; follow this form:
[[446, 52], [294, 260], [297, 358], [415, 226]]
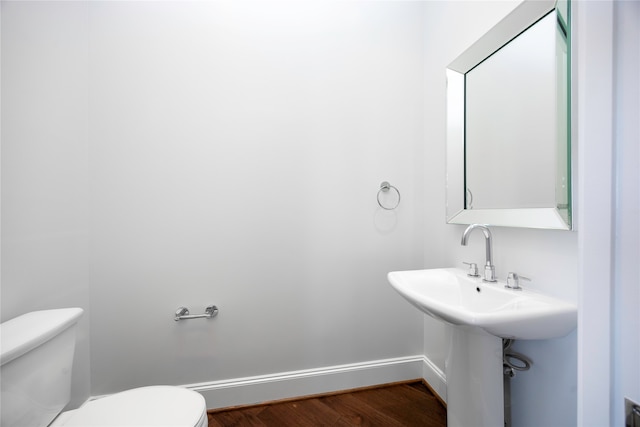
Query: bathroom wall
[[626, 338], [45, 188], [193, 153], [626, 293], [545, 395], [236, 150]]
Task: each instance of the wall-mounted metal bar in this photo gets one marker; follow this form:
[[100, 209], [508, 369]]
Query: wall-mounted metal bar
[[182, 313]]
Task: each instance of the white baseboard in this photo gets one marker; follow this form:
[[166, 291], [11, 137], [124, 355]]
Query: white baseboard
[[436, 378], [284, 385]]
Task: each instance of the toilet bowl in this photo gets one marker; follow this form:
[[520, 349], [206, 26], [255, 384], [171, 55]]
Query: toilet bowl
[[141, 407], [36, 357]]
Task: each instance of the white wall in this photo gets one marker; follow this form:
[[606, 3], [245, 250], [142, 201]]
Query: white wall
[[626, 296], [44, 165], [236, 153], [545, 395], [609, 343], [594, 43], [188, 146], [178, 153]]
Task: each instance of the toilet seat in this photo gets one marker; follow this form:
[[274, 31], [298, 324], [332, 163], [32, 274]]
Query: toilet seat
[[140, 407]]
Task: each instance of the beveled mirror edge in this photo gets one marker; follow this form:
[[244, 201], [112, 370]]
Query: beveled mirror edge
[[545, 218], [521, 18]]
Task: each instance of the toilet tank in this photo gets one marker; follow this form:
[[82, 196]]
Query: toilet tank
[[36, 354]]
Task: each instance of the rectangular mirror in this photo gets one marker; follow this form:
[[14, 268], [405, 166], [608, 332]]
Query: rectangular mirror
[[508, 131]]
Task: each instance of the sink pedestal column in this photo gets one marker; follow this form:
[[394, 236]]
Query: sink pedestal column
[[474, 374]]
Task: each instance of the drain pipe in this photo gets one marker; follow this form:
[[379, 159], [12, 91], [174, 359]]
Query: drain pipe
[[511, 362]]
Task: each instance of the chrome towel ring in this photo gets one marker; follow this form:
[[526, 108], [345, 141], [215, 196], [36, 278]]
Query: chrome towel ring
[[384, 188]]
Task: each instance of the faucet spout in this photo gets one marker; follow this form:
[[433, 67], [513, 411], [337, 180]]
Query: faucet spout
[[489, 268]]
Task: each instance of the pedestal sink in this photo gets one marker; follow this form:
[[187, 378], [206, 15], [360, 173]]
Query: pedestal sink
[[448, 294], [481, 315]]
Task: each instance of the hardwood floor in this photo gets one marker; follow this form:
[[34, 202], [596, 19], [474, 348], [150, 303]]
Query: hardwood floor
[[410, 404]]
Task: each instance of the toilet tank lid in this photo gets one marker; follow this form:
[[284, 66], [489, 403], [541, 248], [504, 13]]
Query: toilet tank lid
[[24, 333]]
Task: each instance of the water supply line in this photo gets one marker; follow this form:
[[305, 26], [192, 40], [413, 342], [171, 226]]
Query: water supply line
[[511, 362]]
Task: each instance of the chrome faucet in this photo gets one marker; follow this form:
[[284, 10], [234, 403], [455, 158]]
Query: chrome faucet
[[489, 268]]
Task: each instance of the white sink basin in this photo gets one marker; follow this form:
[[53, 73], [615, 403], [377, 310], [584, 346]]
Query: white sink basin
[[448, 294]]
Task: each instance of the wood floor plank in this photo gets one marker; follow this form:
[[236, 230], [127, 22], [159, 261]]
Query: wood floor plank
[[303, 413], [356, 412], [246, 417], [385, 397], [406, 405], [417, 414], [397, 405]]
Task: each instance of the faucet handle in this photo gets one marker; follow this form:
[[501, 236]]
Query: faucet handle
[[513, 281], [473, 269]]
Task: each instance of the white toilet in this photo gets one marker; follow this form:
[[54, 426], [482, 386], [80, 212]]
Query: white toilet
[[36, 355]]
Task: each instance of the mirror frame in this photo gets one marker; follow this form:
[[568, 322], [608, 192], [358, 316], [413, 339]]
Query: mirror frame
[[521, 18]]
